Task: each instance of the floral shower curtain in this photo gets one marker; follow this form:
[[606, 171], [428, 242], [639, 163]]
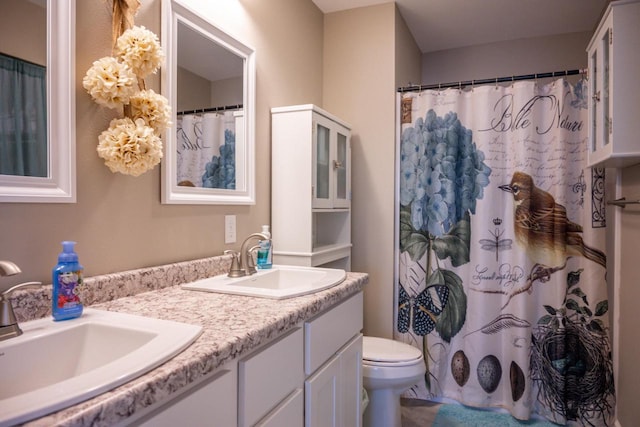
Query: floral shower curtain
[[206, 150], [502, 275]]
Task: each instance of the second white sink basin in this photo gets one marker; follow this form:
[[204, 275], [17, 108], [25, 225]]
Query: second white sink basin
[[279, 282], [57, 364]]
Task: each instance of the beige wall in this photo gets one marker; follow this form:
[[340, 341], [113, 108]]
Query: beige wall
[[360, 55], [118, 221], [628, 352], [516, 57]]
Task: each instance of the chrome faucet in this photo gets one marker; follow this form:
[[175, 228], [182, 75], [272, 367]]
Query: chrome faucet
[[242, 263], [8, 324]]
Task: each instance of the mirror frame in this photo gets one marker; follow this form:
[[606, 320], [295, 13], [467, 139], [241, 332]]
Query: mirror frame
[[172, 12], [60, 184]]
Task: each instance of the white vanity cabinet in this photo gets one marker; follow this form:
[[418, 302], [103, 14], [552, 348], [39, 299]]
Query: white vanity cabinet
[[310, 187], [333, 363], [614, 95], [311, 376]]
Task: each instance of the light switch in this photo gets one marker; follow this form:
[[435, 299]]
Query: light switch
[[229, 228]]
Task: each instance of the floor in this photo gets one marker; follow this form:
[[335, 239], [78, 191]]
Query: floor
[[418, 413]]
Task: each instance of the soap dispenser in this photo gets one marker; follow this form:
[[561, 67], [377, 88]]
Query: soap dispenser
[[67, 277], [265, 251]]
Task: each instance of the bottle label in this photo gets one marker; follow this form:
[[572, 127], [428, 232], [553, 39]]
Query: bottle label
[[67, 285]]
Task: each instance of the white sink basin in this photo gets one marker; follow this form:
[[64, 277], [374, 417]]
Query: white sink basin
[[57, 364], [279, 282]]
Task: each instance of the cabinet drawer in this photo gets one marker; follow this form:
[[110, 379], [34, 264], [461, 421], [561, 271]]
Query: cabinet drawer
[[267, 377], [327, 333]]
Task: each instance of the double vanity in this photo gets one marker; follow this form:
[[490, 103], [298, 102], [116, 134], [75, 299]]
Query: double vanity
[[240, 360]]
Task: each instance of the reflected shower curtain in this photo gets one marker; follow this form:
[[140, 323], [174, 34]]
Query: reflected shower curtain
[[206, 150], [23, 118], [502, 275]]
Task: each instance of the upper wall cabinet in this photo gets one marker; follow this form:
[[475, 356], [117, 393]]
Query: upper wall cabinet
[[310, 187], [37, 101], [209, 80], [614, 61]]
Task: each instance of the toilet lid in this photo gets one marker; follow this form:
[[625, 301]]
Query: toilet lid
[[376, 349]]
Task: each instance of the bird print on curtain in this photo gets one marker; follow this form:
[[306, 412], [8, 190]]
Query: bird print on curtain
[[542, 229]]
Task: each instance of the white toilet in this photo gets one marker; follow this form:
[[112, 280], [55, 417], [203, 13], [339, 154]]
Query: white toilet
[[388, 368]]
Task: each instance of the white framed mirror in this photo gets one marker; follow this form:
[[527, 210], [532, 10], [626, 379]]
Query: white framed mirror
[[38, 167], [209, 80]]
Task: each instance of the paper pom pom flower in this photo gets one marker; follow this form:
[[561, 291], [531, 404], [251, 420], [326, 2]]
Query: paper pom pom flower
[[130, 147], [140, 49], [152, 108], [109, 82]]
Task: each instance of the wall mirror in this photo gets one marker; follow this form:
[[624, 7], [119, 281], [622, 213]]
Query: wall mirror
[[37, 122], [209, 80]]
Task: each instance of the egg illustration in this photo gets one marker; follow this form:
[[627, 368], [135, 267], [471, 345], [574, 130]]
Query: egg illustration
[[516, 375], [489, 373], [460, 368]]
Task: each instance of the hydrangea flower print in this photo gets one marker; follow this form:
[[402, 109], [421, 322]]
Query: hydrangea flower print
[[220, 172], [442, 173]]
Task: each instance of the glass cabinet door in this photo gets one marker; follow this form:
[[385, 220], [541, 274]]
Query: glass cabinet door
[[322, 172], [340, 166]]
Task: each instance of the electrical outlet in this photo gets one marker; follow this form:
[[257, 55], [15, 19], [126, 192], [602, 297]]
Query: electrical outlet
[[229, 228]]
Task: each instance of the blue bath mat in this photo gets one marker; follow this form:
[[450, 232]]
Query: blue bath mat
[[453, 415]]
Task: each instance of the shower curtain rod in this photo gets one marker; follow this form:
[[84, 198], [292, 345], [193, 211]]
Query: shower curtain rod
[[461, 84], [211, 109]]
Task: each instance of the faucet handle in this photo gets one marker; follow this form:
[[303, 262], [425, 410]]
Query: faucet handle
[[235, 270]]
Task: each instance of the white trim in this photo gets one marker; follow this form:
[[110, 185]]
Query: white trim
[[60, 184], [172, 12]]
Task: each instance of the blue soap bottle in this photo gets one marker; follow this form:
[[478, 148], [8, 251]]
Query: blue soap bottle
[[67, 277], [265, 251]]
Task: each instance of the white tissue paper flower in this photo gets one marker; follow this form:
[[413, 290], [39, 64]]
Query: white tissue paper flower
[[130, 147], [140, 49], [153, 108], [109, 82]]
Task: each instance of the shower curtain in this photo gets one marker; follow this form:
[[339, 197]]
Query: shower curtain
[[206, 150], [501, 276]]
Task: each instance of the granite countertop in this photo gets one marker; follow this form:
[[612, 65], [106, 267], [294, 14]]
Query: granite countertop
[[232, 327]]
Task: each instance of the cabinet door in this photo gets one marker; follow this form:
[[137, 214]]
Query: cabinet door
[[322, 162], [268, 376], [342, 169], [350, 387], [321, 396], [211, 403], [289, 413], [600, 85]]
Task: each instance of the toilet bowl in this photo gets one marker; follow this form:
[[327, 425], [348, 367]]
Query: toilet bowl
[[388, 368]]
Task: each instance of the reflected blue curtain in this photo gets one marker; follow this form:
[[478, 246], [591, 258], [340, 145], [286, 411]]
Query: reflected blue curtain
[[23, 118]]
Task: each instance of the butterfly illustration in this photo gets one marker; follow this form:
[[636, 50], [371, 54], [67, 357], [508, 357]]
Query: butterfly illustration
[[496, 244], [423, 308]]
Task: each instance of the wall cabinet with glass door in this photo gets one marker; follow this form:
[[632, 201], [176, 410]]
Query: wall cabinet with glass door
[[614, 61], [310, 187]]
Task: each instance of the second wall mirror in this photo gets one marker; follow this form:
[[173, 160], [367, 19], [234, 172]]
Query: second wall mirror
[[209, 80]]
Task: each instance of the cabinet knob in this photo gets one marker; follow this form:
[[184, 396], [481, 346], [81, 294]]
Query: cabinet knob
[[337, 164], [596, 96]]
